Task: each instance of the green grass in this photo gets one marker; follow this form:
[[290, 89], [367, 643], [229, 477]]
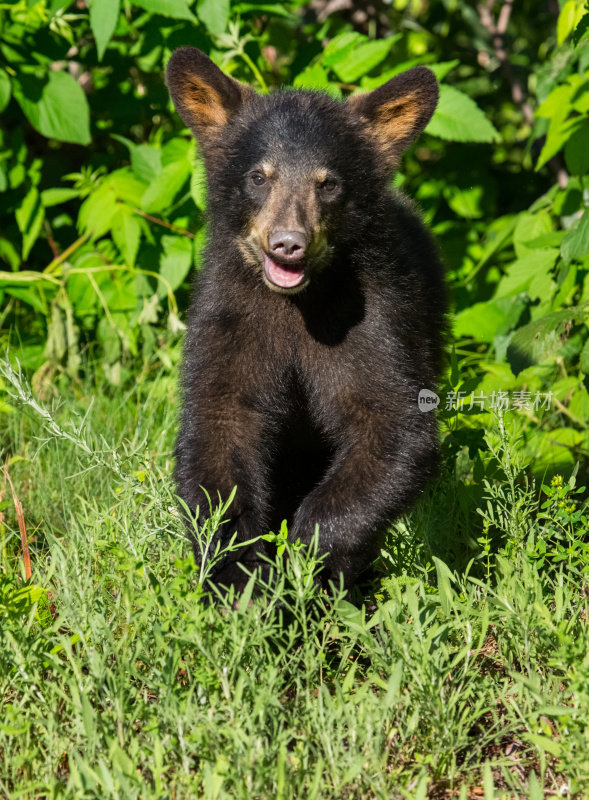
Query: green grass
[[463, 672]]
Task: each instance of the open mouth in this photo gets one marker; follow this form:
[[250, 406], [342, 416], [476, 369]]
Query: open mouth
[[284, 276]]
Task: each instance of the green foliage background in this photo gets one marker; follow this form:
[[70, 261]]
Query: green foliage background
[[101, 223]]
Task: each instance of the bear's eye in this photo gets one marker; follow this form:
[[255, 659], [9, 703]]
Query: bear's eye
[[258, 179], [328, 185]]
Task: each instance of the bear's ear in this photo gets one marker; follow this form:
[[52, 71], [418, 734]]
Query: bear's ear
[[398, 111], [204, 96]]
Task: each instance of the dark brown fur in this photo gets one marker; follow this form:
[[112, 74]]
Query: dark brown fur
[[306, 398]]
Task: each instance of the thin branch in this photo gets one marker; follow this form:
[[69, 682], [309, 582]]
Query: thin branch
[[66, 253], [324, 10], [51, 240], [163, 223], [257, 74], [497, 32], [26, 555], [6, 312]]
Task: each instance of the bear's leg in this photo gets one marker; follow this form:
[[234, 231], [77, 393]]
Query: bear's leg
[[221, 445], [375, 475]]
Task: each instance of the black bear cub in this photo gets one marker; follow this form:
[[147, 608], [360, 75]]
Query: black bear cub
[[317, 319]]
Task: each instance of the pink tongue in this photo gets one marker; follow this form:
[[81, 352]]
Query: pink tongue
[[282, 276]]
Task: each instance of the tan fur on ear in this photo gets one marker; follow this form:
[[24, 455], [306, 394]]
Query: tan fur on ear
[[203, 104], [204, 96], [396, 120], [398, 111]]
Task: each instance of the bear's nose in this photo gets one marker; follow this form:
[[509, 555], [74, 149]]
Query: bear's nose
[[289, 245]]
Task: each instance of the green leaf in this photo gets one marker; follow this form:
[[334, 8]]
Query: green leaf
[[485, 321], [362, 59], [556, 448], [576, 151], [369, 83], [557, 102], [109, 339], [264, 8], [567, 285], [29, 217], [584, 358], [176, 9], [442, 68], [559, 132], [458, 118], [339, 47], [541, 338], [119, 292], [575, 244], [104, 203], [175, 262], [30, 295], [545, 240], [544, 743], [56, 106], [146, 162], [5, 89], [80, 290], [97, 212], [352, 616], [535, 789], [467, 202], [579, 402], [315, 77], [177, 149], [103, 20], [54, 197], [528, 228], [160, 194], [525, 273], [488, 783], [445, 580], [557, 108], [126, 232], [214, 14], [568, 19], [146, 159], [9, 254], [125, 186]]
